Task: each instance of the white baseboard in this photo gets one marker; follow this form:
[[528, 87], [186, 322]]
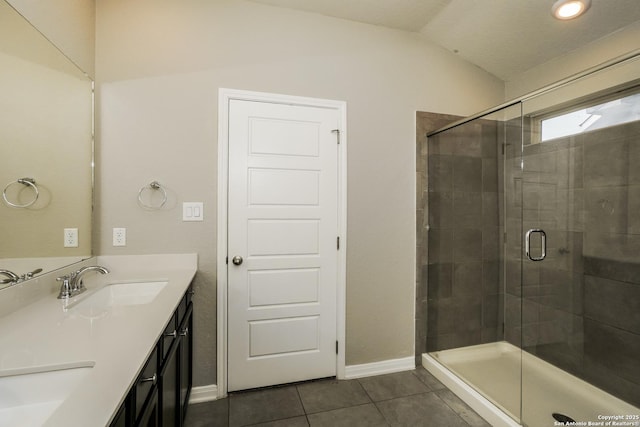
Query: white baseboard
[[203, 393], [210, 392], [379, 368]]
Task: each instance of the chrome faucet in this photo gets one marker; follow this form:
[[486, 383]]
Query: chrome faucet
[[12, 277], [77, 285], [72, 283]]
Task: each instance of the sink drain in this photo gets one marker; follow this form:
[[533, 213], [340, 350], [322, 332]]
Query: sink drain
[[562, 418]]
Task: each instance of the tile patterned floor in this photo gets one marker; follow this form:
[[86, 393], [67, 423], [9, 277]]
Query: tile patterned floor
[[412, 399]]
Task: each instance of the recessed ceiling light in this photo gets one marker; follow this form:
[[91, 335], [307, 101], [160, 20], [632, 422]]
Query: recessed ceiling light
[[569, 9]]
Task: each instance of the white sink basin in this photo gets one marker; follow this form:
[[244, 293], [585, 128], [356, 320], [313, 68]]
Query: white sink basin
[[118, 295], [135, 293], [29, 399]]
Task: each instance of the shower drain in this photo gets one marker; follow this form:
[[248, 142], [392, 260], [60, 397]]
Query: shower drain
[[562, 418]]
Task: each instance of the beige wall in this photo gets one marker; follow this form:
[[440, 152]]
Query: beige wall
[[70, 25], [612, 46], [159, 67], [45, 134], [45, 129]]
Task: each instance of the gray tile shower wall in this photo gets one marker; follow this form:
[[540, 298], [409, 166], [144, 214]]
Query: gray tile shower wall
[[612, 326], [462, 267], [425, 123]]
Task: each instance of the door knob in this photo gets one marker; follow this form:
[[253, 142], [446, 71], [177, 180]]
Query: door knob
[[237, 260]]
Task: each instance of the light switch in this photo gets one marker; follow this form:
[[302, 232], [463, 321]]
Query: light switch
[[192, 211]]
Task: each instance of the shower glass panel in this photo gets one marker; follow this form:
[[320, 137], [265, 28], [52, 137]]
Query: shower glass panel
[[581, 304], [474, 289]]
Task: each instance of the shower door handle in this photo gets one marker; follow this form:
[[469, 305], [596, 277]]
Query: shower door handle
[[543, 241]]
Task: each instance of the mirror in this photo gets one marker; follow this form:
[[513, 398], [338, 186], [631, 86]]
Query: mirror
[[46, 140]]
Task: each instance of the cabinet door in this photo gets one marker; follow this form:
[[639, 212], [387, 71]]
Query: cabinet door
[[169, 390], [149, 416], [169, 335], [186, 357], [120, 419], [146, 383]]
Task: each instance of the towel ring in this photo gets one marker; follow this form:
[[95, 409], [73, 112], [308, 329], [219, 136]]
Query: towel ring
[[30, 182], [153, 185]]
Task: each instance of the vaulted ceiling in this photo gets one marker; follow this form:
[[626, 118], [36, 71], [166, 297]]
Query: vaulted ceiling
[[504, 37]]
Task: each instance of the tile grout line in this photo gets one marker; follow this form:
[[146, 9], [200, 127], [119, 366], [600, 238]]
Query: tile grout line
[[375, 405], [304, 409], [365, 391]]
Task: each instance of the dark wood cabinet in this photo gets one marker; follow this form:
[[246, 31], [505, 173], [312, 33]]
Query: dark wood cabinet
[[145, 386], [160, 396], [120, 419], [186, 360], [149, 416], [169, 386]]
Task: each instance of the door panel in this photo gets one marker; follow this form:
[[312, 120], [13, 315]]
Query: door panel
[[278, 336], [299, 139], [271, 287], [283, 222], [283, 187], [283, 237]]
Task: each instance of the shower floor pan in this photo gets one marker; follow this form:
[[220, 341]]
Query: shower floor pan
[[494, 371]]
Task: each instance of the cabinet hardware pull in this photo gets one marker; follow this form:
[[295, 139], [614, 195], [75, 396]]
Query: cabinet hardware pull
[[152, 379], [184, 332], [171, 334]]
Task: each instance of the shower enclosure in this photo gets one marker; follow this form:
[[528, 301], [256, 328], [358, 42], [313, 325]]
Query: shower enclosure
[[531, 254]]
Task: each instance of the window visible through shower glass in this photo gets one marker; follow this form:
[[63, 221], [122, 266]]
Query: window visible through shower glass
[[597, 114]]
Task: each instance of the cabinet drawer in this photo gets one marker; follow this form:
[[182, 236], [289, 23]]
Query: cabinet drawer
[[189, 294], [169, 335], [183, 329], [182, 309], [184, 303], [145, 385]]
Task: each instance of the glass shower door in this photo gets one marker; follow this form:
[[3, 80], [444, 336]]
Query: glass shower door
[[552, 271], [581, 283]]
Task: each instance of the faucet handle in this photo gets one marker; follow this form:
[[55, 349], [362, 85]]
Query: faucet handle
[[75, 281], [65, 288]]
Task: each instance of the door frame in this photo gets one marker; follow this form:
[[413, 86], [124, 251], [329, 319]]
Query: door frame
[[224, 98]]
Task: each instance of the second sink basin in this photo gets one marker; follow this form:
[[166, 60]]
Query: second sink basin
[[30, 398], [120, 294]]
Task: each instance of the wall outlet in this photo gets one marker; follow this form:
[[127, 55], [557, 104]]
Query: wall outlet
[[70, 237], [119, 237]]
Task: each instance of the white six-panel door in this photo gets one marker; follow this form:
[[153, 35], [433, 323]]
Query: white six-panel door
[[282, 243]]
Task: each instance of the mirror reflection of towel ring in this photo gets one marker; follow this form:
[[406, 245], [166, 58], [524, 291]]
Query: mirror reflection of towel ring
[[30, 182], [153, 185]]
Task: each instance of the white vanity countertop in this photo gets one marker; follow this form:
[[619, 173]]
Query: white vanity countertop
[[118, 340]]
